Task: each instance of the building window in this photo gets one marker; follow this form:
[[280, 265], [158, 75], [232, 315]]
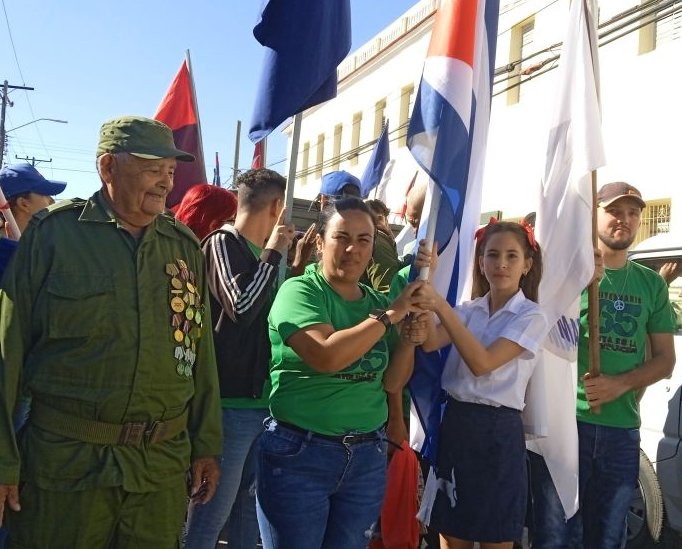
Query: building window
[[379, 109], [520, 47], [406, 103], [659, 31], [355, 138], [305, 161], [320, 156], [655, 219], [336, 151]]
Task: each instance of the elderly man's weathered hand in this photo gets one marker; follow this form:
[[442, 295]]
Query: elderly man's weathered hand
[[603, 389], [205, 475], [414, 329], [9, 495]]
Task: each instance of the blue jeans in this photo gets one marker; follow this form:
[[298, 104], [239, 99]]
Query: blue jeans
[[608, 472], [241, 428], [316, 493]]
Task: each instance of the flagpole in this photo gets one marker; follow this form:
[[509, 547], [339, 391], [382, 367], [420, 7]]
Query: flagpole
[[291, 180], [188, 60], [431, 227], [593, 288], [593, 300]]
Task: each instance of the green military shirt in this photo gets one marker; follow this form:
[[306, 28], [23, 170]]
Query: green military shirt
[[384, 263], [95, 323]]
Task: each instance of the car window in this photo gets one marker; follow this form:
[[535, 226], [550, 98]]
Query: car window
[[674, 277]]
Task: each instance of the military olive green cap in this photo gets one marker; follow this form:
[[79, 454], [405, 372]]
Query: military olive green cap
[[139, 136]]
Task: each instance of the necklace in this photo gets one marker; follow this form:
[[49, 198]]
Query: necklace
[[618, 303]]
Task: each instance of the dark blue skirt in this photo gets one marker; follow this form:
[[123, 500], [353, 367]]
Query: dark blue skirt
[[482, 474]]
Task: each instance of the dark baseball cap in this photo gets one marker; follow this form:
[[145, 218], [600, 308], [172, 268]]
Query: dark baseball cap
[[141, 137], [611, 192], [333, 182], [24, 178]]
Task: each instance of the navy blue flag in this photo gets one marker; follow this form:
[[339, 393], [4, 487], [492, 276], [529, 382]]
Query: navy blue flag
[[371, 177], [447, 136], [305, 40]]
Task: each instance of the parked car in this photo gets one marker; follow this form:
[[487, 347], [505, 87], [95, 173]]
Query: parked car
[[656, 508]]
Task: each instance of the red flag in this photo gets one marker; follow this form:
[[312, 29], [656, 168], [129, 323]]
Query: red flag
[[178, 111], [259, 155]]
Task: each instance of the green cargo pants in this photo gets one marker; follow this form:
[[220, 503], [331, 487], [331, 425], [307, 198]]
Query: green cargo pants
[[101, 518]]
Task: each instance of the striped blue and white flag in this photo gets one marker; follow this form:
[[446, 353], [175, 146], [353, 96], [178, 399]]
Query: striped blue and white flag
[[447, 136]]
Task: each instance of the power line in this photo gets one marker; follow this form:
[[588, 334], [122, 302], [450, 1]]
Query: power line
[[11, 40], [671, 6], [21, 74]]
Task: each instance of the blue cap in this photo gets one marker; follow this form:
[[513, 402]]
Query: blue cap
[[333, 182], [23, 178]]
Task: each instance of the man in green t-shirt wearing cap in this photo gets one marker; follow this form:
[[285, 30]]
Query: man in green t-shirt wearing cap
[[105, 323]]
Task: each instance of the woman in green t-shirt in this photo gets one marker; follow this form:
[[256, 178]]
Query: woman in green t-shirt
[[321, 466]]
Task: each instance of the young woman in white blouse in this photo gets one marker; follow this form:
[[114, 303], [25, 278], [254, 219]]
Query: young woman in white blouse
[[481, 469]]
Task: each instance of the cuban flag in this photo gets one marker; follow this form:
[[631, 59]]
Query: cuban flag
[[447, 136]]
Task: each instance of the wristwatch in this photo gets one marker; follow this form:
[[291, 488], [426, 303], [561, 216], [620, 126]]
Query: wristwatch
[[382, 316]]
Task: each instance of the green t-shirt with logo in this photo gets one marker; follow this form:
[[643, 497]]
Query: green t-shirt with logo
[[633, 302], [351, 400], [250, 403]]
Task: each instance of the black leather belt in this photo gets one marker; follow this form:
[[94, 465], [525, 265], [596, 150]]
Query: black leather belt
[[348, 440]]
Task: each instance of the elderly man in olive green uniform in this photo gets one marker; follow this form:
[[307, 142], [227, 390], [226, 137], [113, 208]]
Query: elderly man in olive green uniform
[[104, 322]]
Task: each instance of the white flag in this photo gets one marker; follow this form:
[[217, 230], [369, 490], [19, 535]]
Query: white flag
[[564, 229]]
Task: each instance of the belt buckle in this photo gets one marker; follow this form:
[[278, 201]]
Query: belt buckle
[[349, 440], [155, 431], [132, 432]]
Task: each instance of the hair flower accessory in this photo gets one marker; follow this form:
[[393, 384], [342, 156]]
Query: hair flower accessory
[[480, 233], [530, 233]]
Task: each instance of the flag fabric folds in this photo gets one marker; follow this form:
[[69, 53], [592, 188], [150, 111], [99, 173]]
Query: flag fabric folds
[[305, 40], [177, 110], [564, 230], [447, 136], [371, 177]]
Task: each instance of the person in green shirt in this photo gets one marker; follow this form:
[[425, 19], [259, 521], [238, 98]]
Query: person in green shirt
[[634, 309], [103, 322], [321, 462]]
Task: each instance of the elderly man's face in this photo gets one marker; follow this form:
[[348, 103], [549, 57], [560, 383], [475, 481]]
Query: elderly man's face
[[140, 186]]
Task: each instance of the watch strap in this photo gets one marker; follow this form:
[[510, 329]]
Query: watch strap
[[381, 316]]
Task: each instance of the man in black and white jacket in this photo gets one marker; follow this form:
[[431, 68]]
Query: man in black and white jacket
[[242, 262]]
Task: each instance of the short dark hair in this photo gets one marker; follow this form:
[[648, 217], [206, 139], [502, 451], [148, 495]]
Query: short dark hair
[[342, 205], [256, 189], [378, 207]]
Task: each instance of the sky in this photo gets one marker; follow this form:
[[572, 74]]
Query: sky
[[92, 60]]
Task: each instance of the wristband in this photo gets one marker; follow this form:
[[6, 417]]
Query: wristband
[[381, 316]]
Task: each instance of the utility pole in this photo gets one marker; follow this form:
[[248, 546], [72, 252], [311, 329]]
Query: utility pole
[[235, 169], [33, 160], [3, 109]]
